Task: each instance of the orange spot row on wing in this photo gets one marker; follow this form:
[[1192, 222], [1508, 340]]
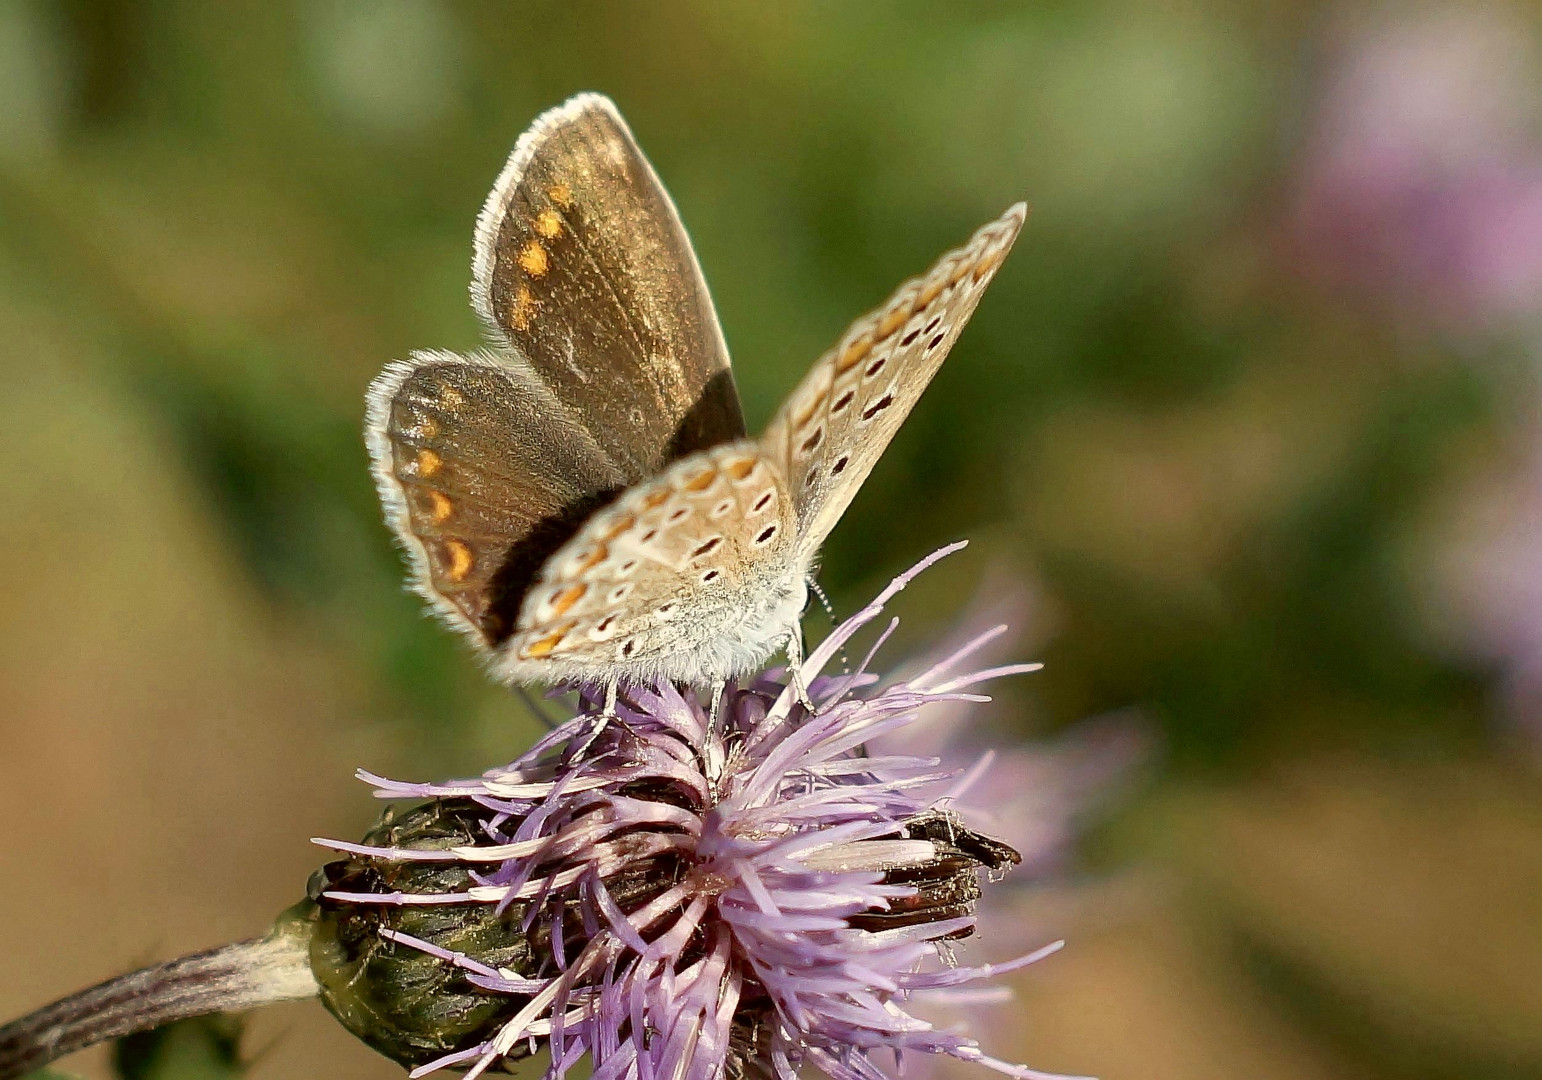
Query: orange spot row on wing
[[622, 523], [458, 553], [933, 288], [425, 427], [739, 468], [592, 558], [523, 308], [953, 269], [853, 353], [701, 481], [548, 223], [563, 599], [989, 263], [893, 319], [533, 259], [544, 646]]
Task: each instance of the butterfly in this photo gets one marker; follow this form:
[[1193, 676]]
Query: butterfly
[[580, 498]]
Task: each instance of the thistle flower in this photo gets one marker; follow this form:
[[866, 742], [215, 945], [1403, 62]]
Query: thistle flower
[[1421, 174], [677, 895], [680, 896]]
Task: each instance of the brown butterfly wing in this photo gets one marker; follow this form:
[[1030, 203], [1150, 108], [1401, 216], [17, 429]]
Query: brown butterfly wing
[[583, 267], [484, 474], [839, 420]]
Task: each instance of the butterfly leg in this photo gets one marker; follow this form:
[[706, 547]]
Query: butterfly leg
[[606, 714], [795, 669], [715, 710]]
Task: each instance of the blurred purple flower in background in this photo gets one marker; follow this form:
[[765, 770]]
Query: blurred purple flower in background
[[1419, 186], [1420, 177], [747, 896]]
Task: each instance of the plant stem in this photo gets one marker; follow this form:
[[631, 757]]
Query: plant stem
[[242, 975]]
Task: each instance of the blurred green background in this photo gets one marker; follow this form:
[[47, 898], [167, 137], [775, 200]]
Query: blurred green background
[[1251, 413]]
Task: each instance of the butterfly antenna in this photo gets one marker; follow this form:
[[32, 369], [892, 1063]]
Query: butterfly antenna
[[824, 602]]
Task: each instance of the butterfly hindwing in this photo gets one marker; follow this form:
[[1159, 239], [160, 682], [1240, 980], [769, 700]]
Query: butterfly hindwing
[[674, 566], [583, 267], [837, 423], [484, 474]]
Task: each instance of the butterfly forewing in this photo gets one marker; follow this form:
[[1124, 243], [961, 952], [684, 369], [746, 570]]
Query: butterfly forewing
[[832, 430], [583, 267], [483, 474]]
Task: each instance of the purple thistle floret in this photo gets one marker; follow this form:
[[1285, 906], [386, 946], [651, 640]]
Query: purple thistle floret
[[767, 947]]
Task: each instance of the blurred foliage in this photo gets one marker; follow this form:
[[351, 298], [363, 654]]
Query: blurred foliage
[[1223, 475], [204, 1048]]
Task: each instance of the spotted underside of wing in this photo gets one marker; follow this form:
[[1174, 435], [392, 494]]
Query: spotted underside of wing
[[670, 559], [484, 474], [583, 267], [836, 425]]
